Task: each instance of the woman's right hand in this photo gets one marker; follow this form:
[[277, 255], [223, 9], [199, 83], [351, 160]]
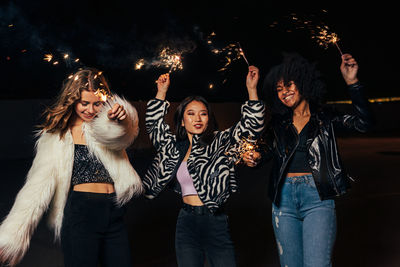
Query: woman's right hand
[[251, 158], [163, 83]]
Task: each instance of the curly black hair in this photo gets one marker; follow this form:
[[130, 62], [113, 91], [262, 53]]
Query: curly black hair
[[303, 73]]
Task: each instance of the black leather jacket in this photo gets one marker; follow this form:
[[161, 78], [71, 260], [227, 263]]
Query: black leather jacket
[[329, 175]]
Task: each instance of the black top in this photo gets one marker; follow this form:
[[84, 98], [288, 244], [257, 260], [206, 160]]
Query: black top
[[87, 168], [299, 162]]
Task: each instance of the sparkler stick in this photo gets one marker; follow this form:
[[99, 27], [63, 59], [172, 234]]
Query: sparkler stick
[[242, 53], [340, 50]]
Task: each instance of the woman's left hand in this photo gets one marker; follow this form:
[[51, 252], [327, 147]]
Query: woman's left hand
[[251, 82], [117, 112], [349, 69]]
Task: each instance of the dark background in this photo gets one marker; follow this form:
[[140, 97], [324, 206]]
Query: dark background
[[114, 35]]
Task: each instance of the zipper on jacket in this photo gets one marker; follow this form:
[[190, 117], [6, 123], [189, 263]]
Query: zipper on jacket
[[283, 167], [327, 165]]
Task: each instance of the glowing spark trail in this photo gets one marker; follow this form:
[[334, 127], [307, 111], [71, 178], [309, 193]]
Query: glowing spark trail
[[48, 57], [325, 37], [230, 52], [239, 149], [319, 31], [167, 58]]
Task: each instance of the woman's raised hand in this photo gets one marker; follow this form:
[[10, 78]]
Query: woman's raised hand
[[251, 82], [117, 112], [163, 83], [349, 69]]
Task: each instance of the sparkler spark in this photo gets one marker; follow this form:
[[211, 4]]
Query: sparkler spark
[[64, 57], [237, 152], [102, 94], [139, 64], [231, 52], [171, 60], [319, 32], [167, 58], [325, 37], [48, 57]]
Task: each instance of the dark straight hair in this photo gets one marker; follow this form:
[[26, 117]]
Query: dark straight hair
[[208, 135]]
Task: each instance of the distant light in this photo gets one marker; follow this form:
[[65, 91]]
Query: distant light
[[372, 100]]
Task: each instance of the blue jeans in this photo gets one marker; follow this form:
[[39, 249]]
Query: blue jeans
[[203, 236], [304, 226]]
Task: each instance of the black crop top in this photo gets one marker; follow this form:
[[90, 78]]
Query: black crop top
[[298, 162], [87, 168]]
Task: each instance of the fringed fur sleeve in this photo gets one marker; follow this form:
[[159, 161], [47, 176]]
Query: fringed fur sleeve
[[113, 134], [31, 202]]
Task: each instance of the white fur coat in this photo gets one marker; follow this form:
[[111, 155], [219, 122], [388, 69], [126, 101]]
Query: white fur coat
[[48, 180]]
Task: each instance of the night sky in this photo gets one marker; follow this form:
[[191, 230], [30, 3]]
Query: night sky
[[113, 36]]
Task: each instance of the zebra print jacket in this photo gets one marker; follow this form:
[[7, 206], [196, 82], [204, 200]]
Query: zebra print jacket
[[210, 167]]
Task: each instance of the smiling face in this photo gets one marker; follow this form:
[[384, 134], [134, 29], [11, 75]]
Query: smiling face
[[195, 118], [88, 106], [288, 94]]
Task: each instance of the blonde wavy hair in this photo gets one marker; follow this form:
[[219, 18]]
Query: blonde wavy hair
[[58, 116]]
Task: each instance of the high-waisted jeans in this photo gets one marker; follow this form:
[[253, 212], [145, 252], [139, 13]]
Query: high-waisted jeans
[[201, 235], [304, 226], [93, 231]]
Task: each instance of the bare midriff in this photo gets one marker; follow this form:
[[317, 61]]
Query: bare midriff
[[95, 188], [192, 200], [293, 174]]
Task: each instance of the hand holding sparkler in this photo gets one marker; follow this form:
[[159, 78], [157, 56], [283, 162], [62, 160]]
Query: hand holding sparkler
[[163, 83], [349, 69], [117, 112], [251, 158], [251, 82]]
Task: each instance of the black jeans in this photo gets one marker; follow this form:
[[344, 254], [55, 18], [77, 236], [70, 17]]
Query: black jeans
[[94, 232], [201, 235]]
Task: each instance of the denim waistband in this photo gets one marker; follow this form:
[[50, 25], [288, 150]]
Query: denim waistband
[[299, 179]]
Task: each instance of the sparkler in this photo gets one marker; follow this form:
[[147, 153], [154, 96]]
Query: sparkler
[[239, 149], [242, 53], [231, 52], [167, 58], [321, 33], [102, 92], [325, 37]]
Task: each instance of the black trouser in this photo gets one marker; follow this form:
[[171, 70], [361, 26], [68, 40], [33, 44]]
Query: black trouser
[[200, 235], [93, 231]]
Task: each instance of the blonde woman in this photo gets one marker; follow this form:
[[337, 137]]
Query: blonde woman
[[82, 174]]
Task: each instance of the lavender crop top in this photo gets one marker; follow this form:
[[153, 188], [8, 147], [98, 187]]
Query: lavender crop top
[[185, 180]]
